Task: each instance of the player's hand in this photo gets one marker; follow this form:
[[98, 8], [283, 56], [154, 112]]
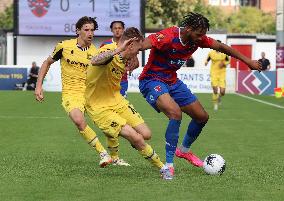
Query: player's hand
[[127, 43], [255, 65], [39, 94], [222, 65], [132, 64]]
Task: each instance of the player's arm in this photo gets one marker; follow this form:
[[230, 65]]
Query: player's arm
[[207, 60], [227, 60], [253, 65], [41, 75], [269, 66], [132, 64], [105, 56]]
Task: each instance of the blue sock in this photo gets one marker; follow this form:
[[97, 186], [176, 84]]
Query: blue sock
[[172, 134], [193, 131]]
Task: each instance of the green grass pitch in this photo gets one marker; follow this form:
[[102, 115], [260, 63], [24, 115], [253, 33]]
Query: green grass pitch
[[42, 156]]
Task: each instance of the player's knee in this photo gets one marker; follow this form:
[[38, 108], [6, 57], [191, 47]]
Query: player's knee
[[146, 133], [222, 93], [174, 114], [80, 124], [138, 141], [203, 118]]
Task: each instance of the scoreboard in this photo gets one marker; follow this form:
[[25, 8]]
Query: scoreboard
[[58, 17]]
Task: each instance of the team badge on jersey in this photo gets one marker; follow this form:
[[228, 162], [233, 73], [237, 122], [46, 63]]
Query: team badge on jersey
[[158, 88], [159, 36], [39, 7]]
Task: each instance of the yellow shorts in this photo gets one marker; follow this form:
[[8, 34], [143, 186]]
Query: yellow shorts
[[71, 102], [111, 119], [218, 81]]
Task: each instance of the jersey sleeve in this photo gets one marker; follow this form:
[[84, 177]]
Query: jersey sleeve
[[57, 52], [106, 47], [206, 42], [160, 40]]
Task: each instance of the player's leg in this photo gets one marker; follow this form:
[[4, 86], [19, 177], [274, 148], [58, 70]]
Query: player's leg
[[112, 124], [215, 95], [157, 95], [222, 87], [124, 87], [191, 106], [113, 147], [77, 116], [145, 150], [75, 108]]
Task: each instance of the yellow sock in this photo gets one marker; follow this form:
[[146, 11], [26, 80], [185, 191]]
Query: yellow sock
[[92, 139], [215, 98], [112, 144], [150, 154]]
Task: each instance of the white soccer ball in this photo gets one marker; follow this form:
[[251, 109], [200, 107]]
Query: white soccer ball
[[214, 164]]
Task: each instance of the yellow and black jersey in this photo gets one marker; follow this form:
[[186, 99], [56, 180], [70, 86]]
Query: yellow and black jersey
[[103, 81], [217, 58], [74, 61]]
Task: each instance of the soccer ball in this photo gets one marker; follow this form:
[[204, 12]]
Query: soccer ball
[[214, 164]]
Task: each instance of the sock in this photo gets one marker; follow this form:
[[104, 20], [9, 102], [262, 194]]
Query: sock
[[215, 98], [92, 139], [150, 154], [172, 134], [193, 131], [112, 144]]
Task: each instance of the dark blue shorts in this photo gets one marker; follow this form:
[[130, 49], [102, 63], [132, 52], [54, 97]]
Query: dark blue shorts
[[152, 89], [124, 87]]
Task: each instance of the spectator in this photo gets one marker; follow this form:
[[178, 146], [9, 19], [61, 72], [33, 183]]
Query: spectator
[[265, 63], [31, 82]]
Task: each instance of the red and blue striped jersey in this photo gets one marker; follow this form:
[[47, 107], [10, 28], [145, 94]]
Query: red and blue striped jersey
[[168, 54], [109, 41]]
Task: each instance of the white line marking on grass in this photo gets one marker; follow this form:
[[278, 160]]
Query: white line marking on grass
[[147, 118], [260, 101]]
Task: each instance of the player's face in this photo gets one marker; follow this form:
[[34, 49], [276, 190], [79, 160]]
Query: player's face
[[133, 49], [86, 33], [196, 35], [117, 30]]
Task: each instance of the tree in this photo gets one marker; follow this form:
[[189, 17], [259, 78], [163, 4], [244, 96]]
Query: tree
[[6, 18], [251, 20], [165, 13]]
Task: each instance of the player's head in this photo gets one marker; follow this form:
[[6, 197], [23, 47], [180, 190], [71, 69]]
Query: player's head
[[135, 46], [85, 28], [132, 32], [117, 28], [196, 26]]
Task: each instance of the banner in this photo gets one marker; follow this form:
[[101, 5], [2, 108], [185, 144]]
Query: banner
[[10, 76], [197, 79], [47, 17], [254, 82]]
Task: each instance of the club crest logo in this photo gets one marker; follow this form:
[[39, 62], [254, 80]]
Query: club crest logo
[[120, 8], [39, 7], [158, 88]]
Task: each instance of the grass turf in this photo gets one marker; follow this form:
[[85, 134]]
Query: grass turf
[[43, 157]]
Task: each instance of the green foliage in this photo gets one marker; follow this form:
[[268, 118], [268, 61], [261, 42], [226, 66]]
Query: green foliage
[[251, 20], [165, 13], [6, 18]]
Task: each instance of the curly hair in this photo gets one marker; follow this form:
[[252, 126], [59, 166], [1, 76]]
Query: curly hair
[[195, 21]]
